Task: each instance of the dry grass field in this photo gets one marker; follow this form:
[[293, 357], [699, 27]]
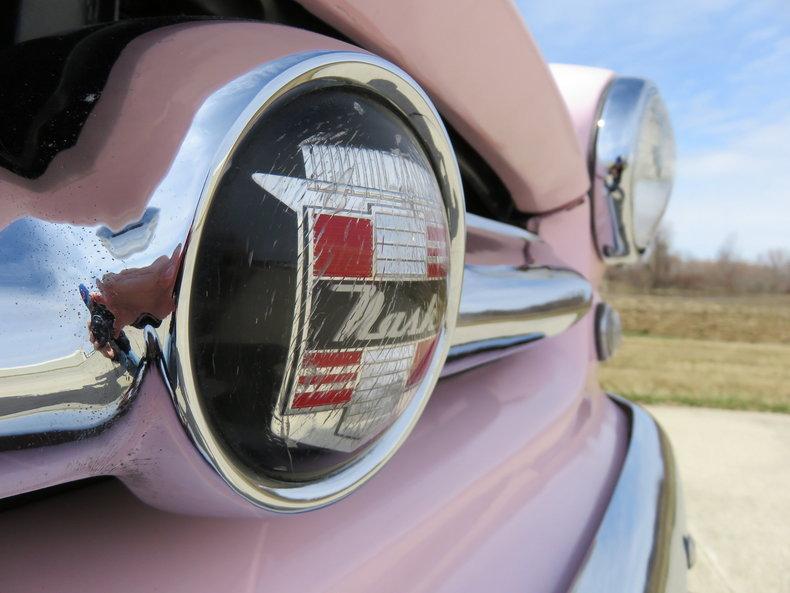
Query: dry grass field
[[724, 352]]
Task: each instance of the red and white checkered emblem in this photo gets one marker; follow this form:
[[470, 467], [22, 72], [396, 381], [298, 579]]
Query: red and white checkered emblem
[[373, 265]]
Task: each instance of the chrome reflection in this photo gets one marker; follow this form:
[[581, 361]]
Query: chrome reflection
[[608, 331], [633, 164], [503, 306], [76, 393], [639, 546], [500, 302], [54, 385]]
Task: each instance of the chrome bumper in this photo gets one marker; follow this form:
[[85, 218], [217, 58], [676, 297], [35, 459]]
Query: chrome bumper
[[640, 544]]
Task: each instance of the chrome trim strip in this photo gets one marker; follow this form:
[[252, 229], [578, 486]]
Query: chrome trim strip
[[608, 331], [475, 222], [503, 306], [639, 545]]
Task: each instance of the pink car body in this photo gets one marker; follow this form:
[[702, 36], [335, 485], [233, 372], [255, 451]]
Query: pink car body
[[511, 473]]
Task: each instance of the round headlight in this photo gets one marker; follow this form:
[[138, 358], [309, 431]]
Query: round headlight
[[633, 168]]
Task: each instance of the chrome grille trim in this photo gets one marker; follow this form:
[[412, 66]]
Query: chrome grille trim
[[504, 306]]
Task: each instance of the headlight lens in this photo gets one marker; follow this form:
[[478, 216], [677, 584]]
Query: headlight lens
[[654, 169], [633, 167]]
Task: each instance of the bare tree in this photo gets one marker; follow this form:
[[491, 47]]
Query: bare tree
[[777, 261], [660, 259], [662, 268], [727, 263]]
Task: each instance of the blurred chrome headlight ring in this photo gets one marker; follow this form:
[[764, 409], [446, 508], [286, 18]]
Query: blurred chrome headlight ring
[[633, 167]]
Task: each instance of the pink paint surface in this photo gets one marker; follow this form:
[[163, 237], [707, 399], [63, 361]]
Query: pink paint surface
[[500, 487], [582, 88], [481, 66], [569, 232]]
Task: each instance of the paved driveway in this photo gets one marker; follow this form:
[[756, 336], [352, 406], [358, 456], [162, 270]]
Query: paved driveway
[[735, 468]]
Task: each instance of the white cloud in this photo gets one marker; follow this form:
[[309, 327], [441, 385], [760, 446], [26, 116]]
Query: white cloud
[[743, 187]]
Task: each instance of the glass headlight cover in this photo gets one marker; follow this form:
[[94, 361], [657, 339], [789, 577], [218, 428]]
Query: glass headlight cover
[[633, 168]]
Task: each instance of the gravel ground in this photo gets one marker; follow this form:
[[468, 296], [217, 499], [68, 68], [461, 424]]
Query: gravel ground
[[735, 470]]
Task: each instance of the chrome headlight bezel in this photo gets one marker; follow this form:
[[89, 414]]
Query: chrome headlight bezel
[[402, 95], [633, 152]]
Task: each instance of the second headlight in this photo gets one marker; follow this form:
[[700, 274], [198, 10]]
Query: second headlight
[[633, 163]]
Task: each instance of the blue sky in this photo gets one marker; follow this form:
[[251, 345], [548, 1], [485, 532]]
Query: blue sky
[[723, 68]]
